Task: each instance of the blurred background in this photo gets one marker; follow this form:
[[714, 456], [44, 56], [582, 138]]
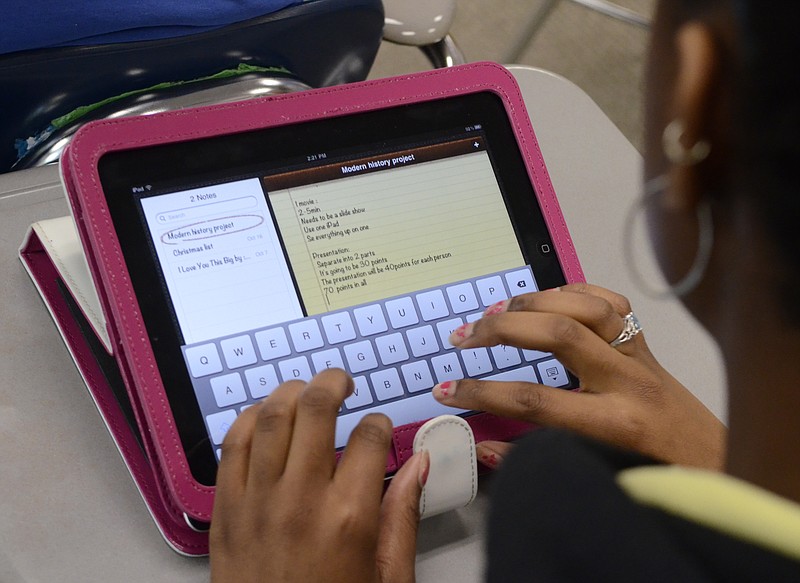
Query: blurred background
[[603, 56]]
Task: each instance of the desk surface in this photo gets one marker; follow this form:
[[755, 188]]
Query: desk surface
[[68, 509]]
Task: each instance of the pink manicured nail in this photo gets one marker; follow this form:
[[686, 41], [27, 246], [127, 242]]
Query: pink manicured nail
[[445, 389], [497, 308], [460, 334], [488, 458], [424, 469]]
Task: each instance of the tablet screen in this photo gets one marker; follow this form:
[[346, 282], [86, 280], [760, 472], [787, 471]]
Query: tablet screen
[[358, 242]]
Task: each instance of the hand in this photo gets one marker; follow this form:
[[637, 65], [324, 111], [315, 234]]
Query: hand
[[285, 512], [626, 397]]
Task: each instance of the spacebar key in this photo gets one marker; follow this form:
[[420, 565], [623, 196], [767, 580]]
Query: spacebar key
[[410, 410], [525, 373]]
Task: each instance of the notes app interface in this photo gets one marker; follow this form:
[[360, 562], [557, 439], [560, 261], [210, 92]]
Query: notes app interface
[[221, 259]]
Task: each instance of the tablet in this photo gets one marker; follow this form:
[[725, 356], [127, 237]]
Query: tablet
[[358, 238]]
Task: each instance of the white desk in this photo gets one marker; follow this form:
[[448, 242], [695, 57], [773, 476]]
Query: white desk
[[68, 509]]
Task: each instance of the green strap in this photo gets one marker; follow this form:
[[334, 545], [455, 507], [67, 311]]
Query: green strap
[[242, 69]]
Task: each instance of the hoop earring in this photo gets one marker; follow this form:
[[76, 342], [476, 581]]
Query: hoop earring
[[653, 188], [676, 152]]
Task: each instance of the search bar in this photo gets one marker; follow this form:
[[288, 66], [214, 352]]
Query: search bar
[[207, 209]]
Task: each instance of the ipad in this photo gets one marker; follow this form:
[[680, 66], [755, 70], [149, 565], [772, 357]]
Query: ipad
[[355, 241]]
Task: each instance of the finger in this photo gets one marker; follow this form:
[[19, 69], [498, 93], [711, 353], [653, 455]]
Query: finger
[[397, 538], [530, 402], [606, 417], [576, 346], [597, 308], [363, 466], [594, 312], [492, 453], [637, 345], [312, 449], [234, 464], [621, 304], [272, 434]]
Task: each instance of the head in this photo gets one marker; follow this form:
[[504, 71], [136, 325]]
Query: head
[[726, 69]]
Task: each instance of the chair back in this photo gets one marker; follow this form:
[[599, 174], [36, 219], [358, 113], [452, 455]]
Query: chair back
[[320, 43]]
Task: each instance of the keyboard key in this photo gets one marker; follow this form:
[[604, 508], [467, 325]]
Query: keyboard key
[[238, 351], [370, 320], [401, 389], [505, 356], [446, 367], [306, 335], [476, 361], [445, 329], [295, 369], [361, 396], [360, 356], [203, 360], [402, 313], [417, 376], [491, 290], [422, 341], [432, 305], [411, 409], [272, 344], [553, 373], [261, 380], [462, 297], [391, 348], [219, 424], [518, 374], [228, 390], [386, 384], [331, 358], [530, 355], [338, 327], [520, 282]]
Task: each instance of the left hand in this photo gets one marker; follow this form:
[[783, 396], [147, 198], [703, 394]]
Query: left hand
[[285, 512], [627, 398]]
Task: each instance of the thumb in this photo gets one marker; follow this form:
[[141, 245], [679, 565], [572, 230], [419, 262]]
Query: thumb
[[397, 539], [492, 453]]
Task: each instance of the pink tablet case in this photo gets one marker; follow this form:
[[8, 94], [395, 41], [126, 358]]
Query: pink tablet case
[[178, 491], [46, 270]]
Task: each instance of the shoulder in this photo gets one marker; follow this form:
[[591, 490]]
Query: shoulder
[[559, 513]]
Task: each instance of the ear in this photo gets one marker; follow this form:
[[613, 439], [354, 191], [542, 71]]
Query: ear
[[693, 102]]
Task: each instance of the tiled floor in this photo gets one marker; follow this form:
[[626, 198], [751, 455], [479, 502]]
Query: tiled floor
[[603, 56]]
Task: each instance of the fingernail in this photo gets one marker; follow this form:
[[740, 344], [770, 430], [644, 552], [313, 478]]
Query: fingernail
[[445, 390], [488, 457], [461, 334], [424, 469], [497, 308], [553, 289]]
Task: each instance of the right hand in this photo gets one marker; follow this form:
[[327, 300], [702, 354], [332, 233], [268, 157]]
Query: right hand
[[626, 398], [286, 512]]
